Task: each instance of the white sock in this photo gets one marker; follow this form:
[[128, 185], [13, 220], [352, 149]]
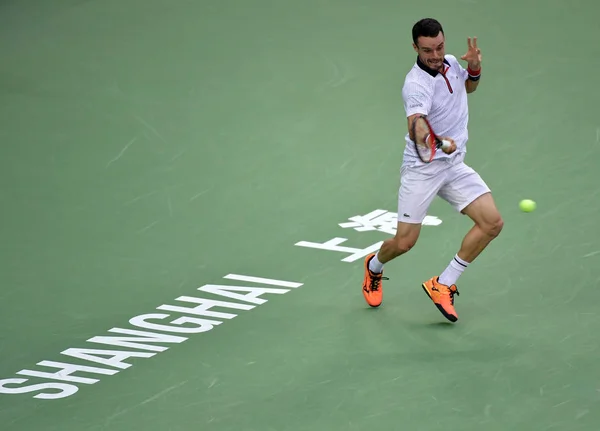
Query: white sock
[[453, 271], [375, 266]]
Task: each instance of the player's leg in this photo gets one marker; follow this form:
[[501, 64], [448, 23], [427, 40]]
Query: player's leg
[[469, 194], [417, 189], [488, 225], [406, 237]]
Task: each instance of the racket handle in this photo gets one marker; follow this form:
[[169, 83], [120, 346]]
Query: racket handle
[[446, 144]]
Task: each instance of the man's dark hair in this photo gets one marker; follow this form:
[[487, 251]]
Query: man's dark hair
[[427, 27]]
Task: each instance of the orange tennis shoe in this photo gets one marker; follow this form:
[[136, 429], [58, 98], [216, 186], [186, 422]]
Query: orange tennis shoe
[[442, 296], [372, 284]]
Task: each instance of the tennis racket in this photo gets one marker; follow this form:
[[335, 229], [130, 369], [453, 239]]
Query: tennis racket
[[426, 141]]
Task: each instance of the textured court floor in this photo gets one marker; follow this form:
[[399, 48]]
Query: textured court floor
[[163, 163]]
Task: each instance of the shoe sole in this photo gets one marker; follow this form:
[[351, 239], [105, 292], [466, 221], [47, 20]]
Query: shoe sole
[[450, 317]]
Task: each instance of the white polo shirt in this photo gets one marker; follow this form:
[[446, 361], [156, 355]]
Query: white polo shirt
[[443, 98]]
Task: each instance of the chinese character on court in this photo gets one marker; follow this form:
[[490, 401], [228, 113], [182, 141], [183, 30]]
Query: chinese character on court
[[378, 220], [382, 221]]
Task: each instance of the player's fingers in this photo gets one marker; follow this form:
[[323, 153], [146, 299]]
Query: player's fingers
[[475, 42], [469, 42]]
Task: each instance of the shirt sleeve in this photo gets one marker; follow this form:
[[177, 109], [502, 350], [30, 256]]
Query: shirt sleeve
[[417, 98]]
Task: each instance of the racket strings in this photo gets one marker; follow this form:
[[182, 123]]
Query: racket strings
[[421, 132], [423, 139]]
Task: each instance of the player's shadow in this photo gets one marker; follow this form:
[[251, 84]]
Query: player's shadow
[[401, 319], [438, 325]]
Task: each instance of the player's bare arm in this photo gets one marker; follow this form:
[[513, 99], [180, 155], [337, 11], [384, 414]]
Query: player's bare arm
[[473, 59], [449, 150], [411, 120]]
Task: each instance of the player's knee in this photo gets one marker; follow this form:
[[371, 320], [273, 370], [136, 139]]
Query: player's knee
[[405, 244], [494, 226], [406, 237]]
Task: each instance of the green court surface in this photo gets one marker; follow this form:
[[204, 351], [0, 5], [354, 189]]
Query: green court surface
[[158, 155]]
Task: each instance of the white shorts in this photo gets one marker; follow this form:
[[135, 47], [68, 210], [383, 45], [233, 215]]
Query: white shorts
[[451, 179]]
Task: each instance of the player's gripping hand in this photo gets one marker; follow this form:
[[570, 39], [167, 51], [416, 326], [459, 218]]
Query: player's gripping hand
[[449, 145]]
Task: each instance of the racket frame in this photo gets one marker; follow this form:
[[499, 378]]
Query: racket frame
[[434, 143]]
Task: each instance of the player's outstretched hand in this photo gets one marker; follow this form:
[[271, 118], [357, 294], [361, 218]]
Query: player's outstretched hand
[[473, 55]]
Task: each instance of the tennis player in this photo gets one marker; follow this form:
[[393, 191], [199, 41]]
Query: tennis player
[[437, 86]]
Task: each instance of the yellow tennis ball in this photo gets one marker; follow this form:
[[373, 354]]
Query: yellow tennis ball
[[527, 205]]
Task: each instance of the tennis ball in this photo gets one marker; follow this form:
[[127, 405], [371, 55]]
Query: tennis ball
[[527, 205]]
